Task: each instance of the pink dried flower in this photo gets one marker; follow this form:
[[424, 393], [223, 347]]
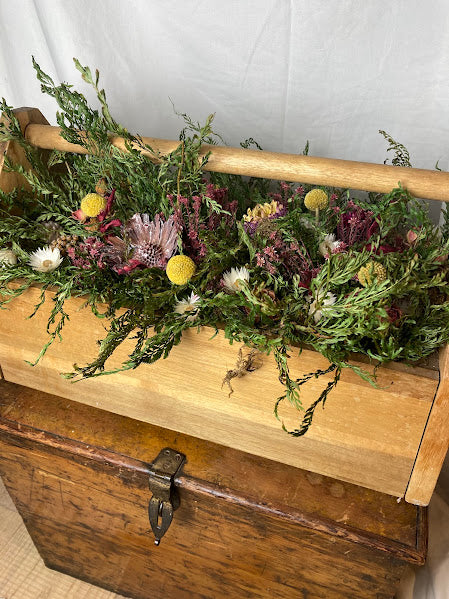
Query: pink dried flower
[[266, 258], [117, 253], [153, 242], [190, 222], [79, 215], [289, 258], [88, 253], [411, 237], [286, 195]]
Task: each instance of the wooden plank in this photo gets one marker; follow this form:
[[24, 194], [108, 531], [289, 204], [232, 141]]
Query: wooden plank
[[434, 444], [365, 436], [380, 178], [182, 575]]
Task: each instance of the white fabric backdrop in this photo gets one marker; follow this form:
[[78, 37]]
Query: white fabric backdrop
[[329, 71]]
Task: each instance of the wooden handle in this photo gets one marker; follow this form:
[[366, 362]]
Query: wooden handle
[[432, 185]]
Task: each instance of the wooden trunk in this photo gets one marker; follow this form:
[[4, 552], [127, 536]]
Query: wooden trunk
[[246, 526], [392, 439]]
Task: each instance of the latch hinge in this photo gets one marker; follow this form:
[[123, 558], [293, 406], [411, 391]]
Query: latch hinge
[[165, 496]]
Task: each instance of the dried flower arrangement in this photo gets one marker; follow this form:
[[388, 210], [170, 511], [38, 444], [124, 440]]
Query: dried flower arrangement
[[277, 269]]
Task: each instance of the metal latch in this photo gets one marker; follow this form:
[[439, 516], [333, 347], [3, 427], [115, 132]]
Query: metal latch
[[165, 498]]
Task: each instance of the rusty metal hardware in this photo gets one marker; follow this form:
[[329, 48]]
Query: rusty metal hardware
[[165, 498]]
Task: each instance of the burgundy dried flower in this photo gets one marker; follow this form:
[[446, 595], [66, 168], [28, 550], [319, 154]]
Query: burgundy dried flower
[[394, 314], [109, 204], [356, 225]]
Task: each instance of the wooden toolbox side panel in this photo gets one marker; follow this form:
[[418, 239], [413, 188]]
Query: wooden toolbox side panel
[[435, 441], [93, 524], [365, 436]]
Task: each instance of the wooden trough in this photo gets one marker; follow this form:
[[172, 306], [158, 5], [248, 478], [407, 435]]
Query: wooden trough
[[392, 439]]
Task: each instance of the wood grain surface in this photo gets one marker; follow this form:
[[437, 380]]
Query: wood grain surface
[[11, 180], [28, 414], [285, 167], [241, 535], [364, 435], [434, 445], [23, 574]]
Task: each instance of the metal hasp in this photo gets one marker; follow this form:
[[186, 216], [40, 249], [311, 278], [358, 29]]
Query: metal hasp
[[165, 498]]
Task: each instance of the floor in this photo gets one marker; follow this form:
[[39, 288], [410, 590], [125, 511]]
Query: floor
[[22, 572]]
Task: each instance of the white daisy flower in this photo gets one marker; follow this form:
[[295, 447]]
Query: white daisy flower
[[328, 246], [7, 257], [320, 304], [188, 305], [306, 223], [232, 278], [45, 259]]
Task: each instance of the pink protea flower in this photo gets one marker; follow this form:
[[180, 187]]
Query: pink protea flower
[[118, 256], [154, 242]]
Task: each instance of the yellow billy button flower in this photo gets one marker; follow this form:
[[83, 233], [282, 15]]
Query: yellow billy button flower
[[93, 204], [180, 269], [372, 272], [316, 200]]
